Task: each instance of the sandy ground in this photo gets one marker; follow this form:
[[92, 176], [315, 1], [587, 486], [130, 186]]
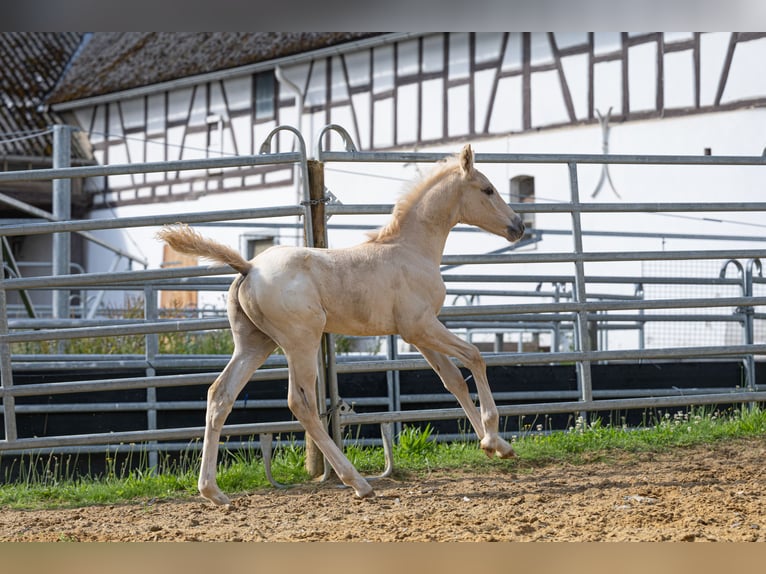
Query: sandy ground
[[710, 493]]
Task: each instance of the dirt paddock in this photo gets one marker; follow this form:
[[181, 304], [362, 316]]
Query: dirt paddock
[[707, 493]]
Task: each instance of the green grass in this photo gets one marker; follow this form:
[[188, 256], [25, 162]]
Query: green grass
[[48, 481]]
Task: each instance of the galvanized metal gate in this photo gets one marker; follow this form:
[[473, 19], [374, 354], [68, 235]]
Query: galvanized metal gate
[[579, 310]]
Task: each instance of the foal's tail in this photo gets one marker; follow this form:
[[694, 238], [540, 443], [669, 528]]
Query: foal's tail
[[184, 239]]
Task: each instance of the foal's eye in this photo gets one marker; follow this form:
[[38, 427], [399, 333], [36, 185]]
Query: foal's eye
[[488, 191]]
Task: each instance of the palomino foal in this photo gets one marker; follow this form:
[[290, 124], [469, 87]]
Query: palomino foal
[[391, 284]]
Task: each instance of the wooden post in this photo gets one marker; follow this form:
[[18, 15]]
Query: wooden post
[[316, 192], [314, 457]]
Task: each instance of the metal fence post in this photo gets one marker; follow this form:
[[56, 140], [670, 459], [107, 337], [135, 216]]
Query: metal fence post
[[582, 338], [747, 311], [749, 326], [151, 348], [556, 342], [639, 292], [62, 211], [393, 380], [6, 373]]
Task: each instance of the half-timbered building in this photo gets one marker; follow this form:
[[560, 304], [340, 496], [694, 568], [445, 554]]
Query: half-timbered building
[[162, 96]]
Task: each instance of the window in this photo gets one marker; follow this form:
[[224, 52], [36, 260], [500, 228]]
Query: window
[[214, 139], [214, 124], [175, 301], [255, 244], [523, 191], [264, 95]]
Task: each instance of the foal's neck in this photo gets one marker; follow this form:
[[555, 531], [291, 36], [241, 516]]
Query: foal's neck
[[428, 222]]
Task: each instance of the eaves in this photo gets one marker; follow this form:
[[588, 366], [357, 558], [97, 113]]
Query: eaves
[[218, 75]]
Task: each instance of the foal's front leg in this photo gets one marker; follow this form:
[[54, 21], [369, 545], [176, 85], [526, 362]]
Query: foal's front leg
[[453, 381], [439, 341]]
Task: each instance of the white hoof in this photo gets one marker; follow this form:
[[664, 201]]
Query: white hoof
[[364, 491], [496, 446], [214, 495]]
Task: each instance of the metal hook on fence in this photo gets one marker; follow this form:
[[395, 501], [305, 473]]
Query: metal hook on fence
[[348, 142], [387, 437], [266, 148], [266, 451], [748, 278], [604, 122], [736, 263], [743, 274], [266, 145]]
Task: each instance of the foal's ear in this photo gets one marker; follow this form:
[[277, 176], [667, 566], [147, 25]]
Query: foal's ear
[[466, 159]]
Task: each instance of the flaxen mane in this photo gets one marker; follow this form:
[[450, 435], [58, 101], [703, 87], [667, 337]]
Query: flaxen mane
[[410, 198]]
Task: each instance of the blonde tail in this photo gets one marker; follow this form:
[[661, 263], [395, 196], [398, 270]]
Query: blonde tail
[[184, 239]]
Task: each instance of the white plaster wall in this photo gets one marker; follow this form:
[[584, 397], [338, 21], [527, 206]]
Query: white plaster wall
[[731, 133], [724, 133]]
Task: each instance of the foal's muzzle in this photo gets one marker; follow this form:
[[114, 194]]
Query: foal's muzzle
[[516, 229]]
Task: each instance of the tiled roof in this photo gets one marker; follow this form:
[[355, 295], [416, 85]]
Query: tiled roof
[[42, 68], [115, 61], [30, 65]]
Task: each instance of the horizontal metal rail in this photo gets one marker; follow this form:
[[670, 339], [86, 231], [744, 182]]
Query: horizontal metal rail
[[127, 437], [654, 207], [147, 220], [129, 383], [409, 399], [63, 328], [603, 305], [119, 277], [216, 281], [558, 407], [142, 327], [150, 167], [383, 365], [508, 158], [178, 277], [599, 257], [594, 279], [223, 283]]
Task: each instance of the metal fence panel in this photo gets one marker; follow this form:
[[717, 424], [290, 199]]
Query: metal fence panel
[[577, 312]]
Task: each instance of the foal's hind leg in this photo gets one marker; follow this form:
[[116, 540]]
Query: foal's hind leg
[[251, 348], [301, 398], [437, 338]]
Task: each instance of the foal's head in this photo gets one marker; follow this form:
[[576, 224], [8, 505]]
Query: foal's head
[[481, 205], [472, 200]]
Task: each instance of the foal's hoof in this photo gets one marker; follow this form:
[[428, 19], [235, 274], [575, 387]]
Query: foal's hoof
[[510, 453], [215, 496], [498, 447], [365, 491]]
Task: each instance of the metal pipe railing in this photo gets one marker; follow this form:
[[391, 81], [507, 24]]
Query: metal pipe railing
[[576, 312]]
